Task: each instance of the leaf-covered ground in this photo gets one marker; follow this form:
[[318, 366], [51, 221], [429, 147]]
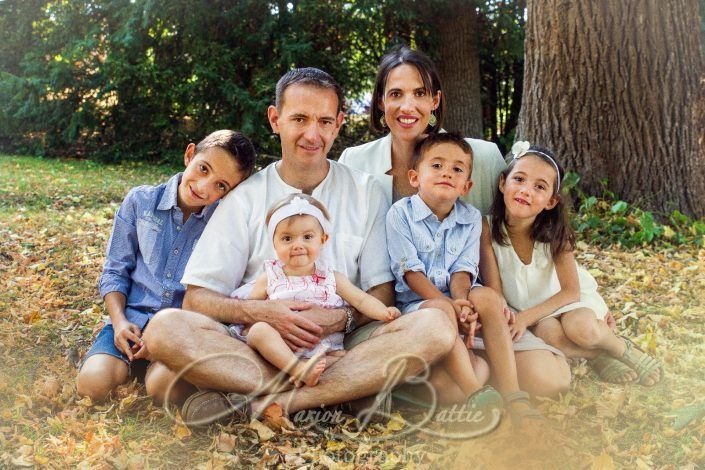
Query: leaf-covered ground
[[55, 217]]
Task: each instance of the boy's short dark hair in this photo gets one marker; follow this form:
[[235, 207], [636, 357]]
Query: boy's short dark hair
[[438, 138], [307, 76], [235, 143]]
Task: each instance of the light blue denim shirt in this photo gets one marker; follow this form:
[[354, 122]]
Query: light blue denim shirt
[[148, 250], [418, 241]]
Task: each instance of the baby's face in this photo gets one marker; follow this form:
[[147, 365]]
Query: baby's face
[[298, 241]]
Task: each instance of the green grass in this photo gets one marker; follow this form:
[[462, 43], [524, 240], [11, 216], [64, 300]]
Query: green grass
[[36, 184]]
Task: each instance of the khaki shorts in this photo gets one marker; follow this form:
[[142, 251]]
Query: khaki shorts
[[528, 341], [363, 333]]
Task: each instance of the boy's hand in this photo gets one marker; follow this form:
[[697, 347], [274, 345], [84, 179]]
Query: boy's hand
[[392, 314], [124, 332], [142, 351], [463, 309], [470, 327]]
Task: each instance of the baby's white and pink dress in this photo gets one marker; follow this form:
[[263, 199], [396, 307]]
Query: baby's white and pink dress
[[318, 288]]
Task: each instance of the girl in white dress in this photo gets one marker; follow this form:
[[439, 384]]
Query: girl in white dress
[[527, 255]]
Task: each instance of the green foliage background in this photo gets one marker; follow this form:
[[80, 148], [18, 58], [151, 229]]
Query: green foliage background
[[137, 79]]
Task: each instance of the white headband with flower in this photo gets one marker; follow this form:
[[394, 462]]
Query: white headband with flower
[[297, 206], [521, 148]]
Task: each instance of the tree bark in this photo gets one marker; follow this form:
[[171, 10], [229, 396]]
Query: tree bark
[[615, 89], [459, 66]]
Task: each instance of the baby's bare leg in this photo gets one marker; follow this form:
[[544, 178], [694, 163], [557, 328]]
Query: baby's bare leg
[[264, 339]]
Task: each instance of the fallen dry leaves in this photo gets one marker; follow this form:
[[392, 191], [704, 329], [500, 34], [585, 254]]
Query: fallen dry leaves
[[51, 253]]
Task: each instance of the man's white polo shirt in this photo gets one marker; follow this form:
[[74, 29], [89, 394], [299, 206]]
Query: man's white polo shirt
[[235, 242]]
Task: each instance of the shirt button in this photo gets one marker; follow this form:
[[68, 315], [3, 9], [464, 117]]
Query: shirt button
[[167, 294], [168, 275], [178, 228], [176, 251]]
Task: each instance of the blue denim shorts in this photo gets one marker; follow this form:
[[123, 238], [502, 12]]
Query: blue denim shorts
[[105, 344]]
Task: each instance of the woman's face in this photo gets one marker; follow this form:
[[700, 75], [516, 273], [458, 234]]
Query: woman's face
[[406, 103]]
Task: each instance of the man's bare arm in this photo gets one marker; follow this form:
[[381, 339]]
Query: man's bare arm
[[293, 327], [331, 320]]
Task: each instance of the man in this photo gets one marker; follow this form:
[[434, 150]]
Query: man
[[307, 115]]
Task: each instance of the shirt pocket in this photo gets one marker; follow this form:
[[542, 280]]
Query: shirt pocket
[[147, 236], [452, 253], [424, 244]]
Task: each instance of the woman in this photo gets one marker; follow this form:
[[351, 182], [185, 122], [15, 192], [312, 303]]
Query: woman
[[408, 103]]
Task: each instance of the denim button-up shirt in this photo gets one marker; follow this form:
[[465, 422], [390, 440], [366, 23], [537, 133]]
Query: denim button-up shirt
[[148, 250], [418, 241]]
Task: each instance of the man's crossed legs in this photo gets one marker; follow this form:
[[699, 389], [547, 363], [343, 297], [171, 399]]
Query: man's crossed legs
[[214, 360]]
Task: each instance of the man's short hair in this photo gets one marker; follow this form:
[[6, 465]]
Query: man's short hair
[[307, 76]]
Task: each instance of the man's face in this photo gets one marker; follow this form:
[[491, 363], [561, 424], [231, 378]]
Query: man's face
[[307, 123]]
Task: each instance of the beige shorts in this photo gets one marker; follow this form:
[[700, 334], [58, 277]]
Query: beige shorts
[[363, 333], [528, 341]]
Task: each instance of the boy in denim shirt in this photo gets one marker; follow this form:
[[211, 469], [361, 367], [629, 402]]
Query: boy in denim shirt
[[434, 245], [154, 233]]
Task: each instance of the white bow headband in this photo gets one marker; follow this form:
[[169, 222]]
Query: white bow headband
[[297, 206], [521, 148]]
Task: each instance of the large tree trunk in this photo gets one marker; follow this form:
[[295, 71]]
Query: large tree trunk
[[459, 66], [614, 87]]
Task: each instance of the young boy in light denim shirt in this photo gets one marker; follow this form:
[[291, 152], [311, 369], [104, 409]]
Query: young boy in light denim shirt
[[154, 233], [434, 244]]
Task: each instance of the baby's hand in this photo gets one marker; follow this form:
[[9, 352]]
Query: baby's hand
[[392, 314]]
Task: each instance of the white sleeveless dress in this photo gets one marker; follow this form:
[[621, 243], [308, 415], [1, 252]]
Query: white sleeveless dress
[[527, 285]]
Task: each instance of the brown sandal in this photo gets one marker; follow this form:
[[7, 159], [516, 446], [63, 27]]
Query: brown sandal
[[610, 369], [641, 363]]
